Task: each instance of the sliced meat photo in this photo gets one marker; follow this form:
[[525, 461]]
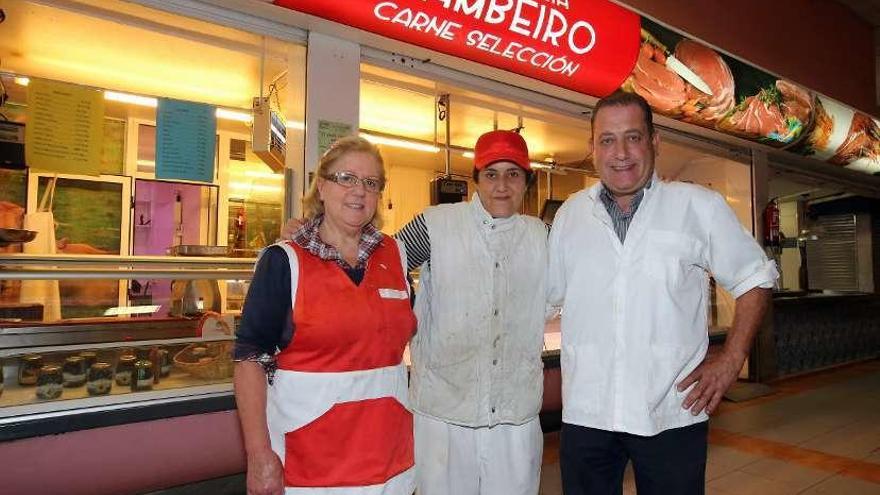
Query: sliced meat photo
[[756, 117], [664, 89], [701, 108], [862, 141], [797, 103], [820, 134]]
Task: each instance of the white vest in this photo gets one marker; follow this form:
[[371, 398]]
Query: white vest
[[477, 354]]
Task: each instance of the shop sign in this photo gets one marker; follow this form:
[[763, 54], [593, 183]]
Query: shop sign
[[588, 46], [596, 47]]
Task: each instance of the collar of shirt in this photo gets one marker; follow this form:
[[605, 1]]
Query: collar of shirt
[[487, 222], [614, 209], [309, 239]]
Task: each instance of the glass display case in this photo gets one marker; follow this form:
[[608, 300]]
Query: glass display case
[[137, 350]]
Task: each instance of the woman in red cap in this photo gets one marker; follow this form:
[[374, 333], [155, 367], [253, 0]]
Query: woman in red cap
[[477, 375]]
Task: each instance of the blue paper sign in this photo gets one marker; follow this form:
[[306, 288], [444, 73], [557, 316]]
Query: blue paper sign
[[186, 140]]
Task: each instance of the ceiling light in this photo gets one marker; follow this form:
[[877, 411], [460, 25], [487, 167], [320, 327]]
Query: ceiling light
[[143, 101], [262, 175], [146, 101], [223, 113], [22, 81], [467, 154], [400, 143], [239, 186], [295, 124]]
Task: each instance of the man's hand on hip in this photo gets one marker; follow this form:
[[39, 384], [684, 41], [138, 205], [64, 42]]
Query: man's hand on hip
[[712, 378]]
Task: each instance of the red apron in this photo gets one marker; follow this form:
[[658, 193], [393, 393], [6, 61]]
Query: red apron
[[337, 410]]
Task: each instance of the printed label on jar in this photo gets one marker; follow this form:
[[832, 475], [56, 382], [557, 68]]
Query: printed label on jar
[[99, 387], [74, 380], [49, 391], [123, 378]]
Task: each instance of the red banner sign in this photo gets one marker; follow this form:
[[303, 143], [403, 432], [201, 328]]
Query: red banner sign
[[589, 46]]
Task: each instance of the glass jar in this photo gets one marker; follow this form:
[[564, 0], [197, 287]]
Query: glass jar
[[50, 382], [100, 379], [163, 358], [144, 353], [142, 378], [74, 371], [90, 358], [29, 369], [125, 369]]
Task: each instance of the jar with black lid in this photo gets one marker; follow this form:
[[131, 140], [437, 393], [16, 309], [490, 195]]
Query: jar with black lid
[[125, 369], [90, 357], [29, 368], [74, 371], [100, 379], [50, 382], [142, 378]]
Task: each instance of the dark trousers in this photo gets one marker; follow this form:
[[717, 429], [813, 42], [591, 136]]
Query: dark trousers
[[670, 463]]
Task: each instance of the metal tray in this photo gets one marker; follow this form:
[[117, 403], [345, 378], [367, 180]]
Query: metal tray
[[198, 250], [9, 236]]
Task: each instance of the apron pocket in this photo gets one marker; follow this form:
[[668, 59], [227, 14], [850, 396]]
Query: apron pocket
[[358, 443]]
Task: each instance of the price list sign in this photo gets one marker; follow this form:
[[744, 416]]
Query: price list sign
[[65, 127], [186, 140]]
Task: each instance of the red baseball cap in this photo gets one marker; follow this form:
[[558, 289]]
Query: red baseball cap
[[500, 146]]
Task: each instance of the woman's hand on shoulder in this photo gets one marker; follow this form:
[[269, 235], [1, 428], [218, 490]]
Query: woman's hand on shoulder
[[265, 474]]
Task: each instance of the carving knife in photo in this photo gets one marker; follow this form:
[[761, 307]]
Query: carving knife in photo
[[676, 65]]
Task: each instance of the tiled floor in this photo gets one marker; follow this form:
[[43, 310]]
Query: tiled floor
[[815, 435]]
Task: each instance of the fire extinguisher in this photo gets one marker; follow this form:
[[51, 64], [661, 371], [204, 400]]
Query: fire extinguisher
[[771, 224]]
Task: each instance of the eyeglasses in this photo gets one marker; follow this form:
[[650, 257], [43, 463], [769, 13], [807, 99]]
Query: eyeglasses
[[349, 180]]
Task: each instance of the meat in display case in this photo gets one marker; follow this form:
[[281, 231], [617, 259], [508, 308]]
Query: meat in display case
[[143, 347]]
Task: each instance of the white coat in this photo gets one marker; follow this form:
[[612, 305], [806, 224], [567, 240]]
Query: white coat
[[634, 320]]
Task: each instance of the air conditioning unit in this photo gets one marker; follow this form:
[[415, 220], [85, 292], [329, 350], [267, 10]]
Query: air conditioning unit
[[269, 137]]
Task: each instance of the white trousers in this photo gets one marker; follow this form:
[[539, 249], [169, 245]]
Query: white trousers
[[457, 460]]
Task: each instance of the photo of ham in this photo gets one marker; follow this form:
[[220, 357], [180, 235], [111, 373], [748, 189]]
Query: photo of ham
[[842, 136], [701, 108], [712, 90], [777, 115], [861, 148], [670, 94]]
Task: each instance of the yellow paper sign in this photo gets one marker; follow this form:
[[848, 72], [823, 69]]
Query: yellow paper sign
[[65, 127]]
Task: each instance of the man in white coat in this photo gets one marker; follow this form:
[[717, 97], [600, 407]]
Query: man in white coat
[[630, 260]]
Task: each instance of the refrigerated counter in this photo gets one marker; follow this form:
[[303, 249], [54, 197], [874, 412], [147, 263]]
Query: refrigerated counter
[[129, 380], [813, 331]]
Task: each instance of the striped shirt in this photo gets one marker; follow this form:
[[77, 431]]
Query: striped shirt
[[417, 242], [619, 218]]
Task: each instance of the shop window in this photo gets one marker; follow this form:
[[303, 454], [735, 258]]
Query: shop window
[[256, 198], [413, 145], [101, 279]]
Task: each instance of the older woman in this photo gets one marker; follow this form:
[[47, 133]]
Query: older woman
[[319, 381]]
